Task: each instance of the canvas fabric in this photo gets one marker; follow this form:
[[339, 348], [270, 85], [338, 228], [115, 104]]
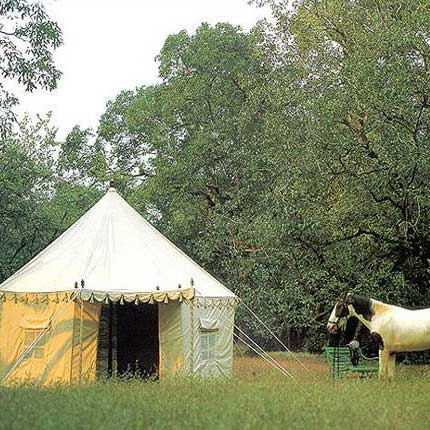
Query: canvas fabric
[[208, 322], [67, 349], [116, 255], [111, 254], [84, 345], [172, 356]]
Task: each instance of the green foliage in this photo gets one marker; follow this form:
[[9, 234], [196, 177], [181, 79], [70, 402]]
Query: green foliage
[[193, 144], [45, 185], [39, 194], [368, 98], [290, 161], [81, 160], [22, 190], [27, 39]]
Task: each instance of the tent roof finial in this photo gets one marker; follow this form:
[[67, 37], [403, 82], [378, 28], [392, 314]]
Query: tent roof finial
[[111, 185]]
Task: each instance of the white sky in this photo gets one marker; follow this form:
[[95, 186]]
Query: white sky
[[110, 45]]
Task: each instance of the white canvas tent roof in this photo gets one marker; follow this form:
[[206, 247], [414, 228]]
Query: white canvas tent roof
[[118, 254]]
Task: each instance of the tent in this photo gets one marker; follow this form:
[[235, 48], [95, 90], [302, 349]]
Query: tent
[[112, 258]]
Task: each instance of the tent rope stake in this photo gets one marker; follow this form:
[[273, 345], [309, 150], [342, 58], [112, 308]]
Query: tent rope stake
[[256, 351], [280, 369]]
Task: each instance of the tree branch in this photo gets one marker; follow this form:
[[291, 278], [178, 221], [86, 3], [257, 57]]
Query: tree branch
[[420, 114], [360, 232], [384, 199]]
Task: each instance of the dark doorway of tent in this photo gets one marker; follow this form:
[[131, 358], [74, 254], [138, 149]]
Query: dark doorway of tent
[[128, 342]]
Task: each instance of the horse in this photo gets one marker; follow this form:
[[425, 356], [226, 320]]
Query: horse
[[395, 329]]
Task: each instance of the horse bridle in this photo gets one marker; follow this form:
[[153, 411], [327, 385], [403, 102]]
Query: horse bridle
[[336, 323]]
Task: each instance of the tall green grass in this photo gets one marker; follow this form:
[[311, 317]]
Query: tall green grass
[[255, 398]]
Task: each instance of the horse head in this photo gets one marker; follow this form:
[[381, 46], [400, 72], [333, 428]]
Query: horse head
[[339, 315], [348, 305]]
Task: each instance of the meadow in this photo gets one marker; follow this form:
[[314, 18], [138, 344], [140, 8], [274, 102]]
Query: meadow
[[256, 397]]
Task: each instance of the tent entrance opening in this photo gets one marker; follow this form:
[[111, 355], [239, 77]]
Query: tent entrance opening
[[128, 340], [137, 339]]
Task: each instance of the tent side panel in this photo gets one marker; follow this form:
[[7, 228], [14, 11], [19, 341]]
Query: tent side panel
[[58, 367], [48, 361], [172, 360], [187, 312], [85, 336], [213, 339]]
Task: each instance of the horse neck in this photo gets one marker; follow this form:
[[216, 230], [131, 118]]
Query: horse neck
[[377, 309], [381, 307]]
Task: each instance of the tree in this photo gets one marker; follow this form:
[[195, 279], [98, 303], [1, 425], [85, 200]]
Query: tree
[[291, 161], [45, 185], [193, 144], [362, 212], [27, 40], [81, 159], [40, 192], [25, 178]]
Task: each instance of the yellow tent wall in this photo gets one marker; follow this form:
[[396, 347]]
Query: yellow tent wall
[[66, 352], [84, 345], [171, 338]]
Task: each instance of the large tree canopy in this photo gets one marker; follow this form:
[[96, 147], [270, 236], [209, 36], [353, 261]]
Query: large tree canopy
[[367, 88], [291, 161]]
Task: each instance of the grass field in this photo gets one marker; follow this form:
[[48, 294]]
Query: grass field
[[256, 397]]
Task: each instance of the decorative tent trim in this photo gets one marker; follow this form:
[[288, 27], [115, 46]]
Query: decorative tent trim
[[92, 296]]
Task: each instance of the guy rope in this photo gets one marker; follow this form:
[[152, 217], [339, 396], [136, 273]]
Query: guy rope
[[273, 334]]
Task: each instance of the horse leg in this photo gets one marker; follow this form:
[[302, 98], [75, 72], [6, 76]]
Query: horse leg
[[391, 366], [383, 364]]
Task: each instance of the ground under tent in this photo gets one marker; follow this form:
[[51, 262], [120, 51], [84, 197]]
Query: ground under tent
[[167, 316]]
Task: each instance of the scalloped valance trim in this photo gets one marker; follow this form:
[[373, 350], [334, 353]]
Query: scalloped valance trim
[[185, 295]]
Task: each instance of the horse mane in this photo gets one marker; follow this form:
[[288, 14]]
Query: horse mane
[[362, 305]]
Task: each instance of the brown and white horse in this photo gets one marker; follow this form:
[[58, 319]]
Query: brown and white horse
[[394, 328]]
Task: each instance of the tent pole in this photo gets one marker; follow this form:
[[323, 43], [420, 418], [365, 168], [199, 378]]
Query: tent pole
[[110, 338]]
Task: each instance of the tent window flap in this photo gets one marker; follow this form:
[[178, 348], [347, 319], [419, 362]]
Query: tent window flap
[[208, 344], [38, 351], [208, 324]]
